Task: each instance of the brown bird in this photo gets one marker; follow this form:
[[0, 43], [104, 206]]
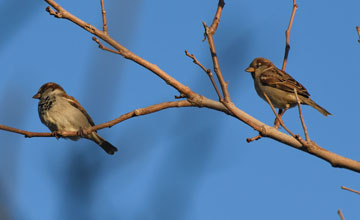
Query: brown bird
[[279, 86], [61, 112]]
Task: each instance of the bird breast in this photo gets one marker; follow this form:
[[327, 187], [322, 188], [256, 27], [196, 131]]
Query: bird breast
[[65, 116], [278, 98]]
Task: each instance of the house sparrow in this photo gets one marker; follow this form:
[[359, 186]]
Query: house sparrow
[[279, 86], [61, 112]]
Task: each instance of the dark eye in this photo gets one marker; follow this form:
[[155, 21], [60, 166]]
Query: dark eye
[[258, 65]]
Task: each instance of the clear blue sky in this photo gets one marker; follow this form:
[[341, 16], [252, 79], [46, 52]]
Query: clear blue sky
[[180, 163]]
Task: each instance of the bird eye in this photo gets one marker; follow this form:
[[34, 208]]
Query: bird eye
[[258, 65]]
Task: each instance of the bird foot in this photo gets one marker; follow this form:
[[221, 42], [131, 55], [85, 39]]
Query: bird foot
[[80, 133], [56, 134]]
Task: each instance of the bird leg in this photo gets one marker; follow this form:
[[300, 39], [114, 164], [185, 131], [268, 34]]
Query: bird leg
[[280, 114], [55, 134], [80, 132], [277, 122]]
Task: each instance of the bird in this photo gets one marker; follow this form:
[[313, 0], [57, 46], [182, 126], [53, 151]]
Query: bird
[[61, 112], [279, 86]]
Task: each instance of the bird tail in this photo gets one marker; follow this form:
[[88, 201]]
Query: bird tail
[[310, 102], [106, 146]]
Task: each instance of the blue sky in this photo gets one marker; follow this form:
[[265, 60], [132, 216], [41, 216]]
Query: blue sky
[[186, 163]]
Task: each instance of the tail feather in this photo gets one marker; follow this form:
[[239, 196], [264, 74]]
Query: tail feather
[[310, 102], [106, 146]]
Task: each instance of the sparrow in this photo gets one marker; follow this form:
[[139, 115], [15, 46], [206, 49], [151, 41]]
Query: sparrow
[[61, 112], [279, 86]]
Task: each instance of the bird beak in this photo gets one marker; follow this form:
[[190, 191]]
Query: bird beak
[[36, 96], [250, 69]]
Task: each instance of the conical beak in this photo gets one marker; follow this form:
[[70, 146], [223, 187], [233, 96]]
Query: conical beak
[[250, 69], [36, 96]]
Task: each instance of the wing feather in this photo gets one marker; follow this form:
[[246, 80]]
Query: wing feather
[[276, 78], [77, 105]]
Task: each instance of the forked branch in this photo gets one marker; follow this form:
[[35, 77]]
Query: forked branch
[[207, 71], [194, 99], [62, 13], [225, 105], [209, 33]]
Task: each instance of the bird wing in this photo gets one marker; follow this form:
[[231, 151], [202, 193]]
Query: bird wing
[[276, 78], [77, 105]]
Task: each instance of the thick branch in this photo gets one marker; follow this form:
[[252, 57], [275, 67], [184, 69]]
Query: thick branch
[[194, 99], [62, 13], [311, 147]]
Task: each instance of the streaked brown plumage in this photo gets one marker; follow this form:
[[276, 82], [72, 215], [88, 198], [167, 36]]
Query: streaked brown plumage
[[279, 86]]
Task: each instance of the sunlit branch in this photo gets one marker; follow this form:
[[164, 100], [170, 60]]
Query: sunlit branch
[[287, 35], [207, 71], [136, 112]]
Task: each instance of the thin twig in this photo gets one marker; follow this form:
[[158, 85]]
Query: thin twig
[[101, 46], [358, 31], [134, 113], [287, 34], [209, 33], [351, 190], [254, 138], [207, 71], [341, 215], [301, 116], [103, 13], [54, 13], [277, 116], [216, 19]]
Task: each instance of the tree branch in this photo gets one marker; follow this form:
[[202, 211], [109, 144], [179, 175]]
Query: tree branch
[[209, 33], [103, 13], [287, 35], [312, 148], [129, 115], [341, 215], [207, 71], [101, 46], [301, 116], [351, 190], [277, 116], [62, 13], [194, 99]]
